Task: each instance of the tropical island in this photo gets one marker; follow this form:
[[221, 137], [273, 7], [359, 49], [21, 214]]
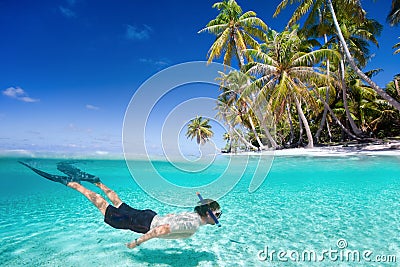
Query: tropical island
[[305, 86]]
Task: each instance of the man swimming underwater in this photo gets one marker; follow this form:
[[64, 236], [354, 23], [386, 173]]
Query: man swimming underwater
[[121, 216]]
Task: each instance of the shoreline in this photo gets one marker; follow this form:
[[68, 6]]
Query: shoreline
[[390, 148]]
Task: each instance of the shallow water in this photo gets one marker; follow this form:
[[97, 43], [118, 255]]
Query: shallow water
[[305, 203]]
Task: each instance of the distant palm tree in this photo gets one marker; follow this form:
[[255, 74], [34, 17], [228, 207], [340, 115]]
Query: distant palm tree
[[394, 16], [227, 138], [235, 32], [201, 129]]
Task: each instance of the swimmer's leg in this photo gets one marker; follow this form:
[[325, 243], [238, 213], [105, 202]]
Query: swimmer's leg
[[72, 171], [55, 178], [96, 199], [110, 194], [93, 197]]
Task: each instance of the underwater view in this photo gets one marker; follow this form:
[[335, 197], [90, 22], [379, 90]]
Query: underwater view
[[320, 211]]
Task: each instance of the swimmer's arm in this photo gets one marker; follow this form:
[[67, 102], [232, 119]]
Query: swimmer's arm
[[153, 233]]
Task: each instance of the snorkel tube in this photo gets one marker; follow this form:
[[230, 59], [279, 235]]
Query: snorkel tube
[[209, 211]]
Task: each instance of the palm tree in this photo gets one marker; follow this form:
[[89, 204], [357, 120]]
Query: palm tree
[[235, 32], [393, 87], [394, 16], [357, 37], [232, 85], [229, 113], [236, 82], [285, 72], [398, 48], [199, 128], [228, 147], [353, 6]]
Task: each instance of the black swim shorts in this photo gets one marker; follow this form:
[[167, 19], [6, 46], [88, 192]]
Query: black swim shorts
[[126, 217]]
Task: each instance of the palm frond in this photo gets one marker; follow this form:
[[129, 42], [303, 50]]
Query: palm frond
[[301, 10], [215, 50], [262, 57], [317, 56], [279, 8], [215, 29], [394, 16], [247, 14], [253, 22], [397, 46], [250, 41]]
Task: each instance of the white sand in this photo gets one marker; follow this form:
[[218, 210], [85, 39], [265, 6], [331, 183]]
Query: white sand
[[391, 148]]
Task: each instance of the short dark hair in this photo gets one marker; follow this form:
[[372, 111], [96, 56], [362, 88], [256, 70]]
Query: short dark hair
[[205, 205]]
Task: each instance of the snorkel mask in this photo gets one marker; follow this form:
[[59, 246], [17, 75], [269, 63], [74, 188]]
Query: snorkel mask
[[209, 210]]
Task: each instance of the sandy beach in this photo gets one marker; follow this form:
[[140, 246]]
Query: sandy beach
[[389, 148]]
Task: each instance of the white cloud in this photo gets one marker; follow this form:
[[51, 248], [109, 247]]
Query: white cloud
[[13, 92], [157, 63], [67, 12], [133, 33], [19, 94], [102, 153], [91, 107]]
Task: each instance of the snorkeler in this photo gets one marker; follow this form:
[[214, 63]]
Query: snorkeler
[[121, 216]]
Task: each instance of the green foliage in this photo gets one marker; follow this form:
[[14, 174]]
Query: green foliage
[[394, 15], [278, 96], [200, 129], [235, 32]]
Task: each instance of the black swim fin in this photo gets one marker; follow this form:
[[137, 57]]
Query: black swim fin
[[55, 178], [76, 173]]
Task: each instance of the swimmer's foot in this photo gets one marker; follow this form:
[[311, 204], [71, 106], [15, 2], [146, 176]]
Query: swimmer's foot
[[55, 178], [76, 173]]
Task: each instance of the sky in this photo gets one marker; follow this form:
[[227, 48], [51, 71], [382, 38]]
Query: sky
[[69, 68]]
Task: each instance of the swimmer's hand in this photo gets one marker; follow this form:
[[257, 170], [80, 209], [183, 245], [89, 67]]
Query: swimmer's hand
[[132, 244], [156, 232]]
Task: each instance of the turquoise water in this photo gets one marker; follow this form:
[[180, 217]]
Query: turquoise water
[[306, 203]]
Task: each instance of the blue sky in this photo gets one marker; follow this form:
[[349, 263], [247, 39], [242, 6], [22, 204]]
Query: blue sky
[[70, 67]]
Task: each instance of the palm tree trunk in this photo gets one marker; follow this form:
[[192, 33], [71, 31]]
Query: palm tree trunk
[[274, 145], [353, 65], [305, 122], [259, 113], [247, 143], [230, 135], [290, 124], [300, 141], [336, 119], [239, 54], [353, 125], [327, 95], [232, 129], [396, 85], [271, 140], [329, 131], [253, 129]]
